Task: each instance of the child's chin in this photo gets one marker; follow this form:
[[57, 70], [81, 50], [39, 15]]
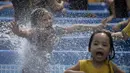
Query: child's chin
[[100, 59], [49, 26]]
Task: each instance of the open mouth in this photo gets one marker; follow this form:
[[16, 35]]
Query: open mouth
[[99, 53]]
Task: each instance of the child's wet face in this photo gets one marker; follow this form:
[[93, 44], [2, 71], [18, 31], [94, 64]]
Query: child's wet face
[[100, 47], [46, 20]]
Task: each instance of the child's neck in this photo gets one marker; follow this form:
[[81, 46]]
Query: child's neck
[[98, 64]]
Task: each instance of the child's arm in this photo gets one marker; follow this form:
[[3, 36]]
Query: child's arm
[[117, 35], [74, 69], [15, 29], [119, 25], [116, 69], [108, 19], [83, 27], [79, 28], [124, 22], [125, 33], [6, 6]]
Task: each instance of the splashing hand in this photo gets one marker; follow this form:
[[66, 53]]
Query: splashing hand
[[104, 21], [116, 28], [14, 27], [1, 7]]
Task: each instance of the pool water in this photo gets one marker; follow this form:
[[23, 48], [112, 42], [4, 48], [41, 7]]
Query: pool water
[[70, 48]]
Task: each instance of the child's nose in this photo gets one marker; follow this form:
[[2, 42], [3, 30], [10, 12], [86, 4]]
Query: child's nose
[[100, 46], [49, 20]]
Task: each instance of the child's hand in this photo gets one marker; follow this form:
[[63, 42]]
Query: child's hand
[[117, 35], [19, 32], [116, 28], [14, 27], [1, 8], [104, 21]]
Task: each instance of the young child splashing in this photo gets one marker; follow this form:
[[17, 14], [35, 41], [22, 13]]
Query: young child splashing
[[42, 37]]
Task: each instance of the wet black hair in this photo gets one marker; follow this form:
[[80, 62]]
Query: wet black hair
[[110, 40], [36, 15]]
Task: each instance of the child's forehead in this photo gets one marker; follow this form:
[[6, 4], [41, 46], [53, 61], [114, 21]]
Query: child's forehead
[[47, 14], [101, 36]]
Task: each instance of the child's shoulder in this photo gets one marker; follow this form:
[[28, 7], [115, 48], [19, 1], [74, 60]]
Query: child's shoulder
[[85, 61]]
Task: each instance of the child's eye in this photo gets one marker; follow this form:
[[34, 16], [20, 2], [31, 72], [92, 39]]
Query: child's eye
[[104, 44], [44, 19], [49, 17], [95, 43]]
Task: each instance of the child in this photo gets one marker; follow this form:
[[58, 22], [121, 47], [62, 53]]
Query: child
[[42, 36], [102, 51]]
